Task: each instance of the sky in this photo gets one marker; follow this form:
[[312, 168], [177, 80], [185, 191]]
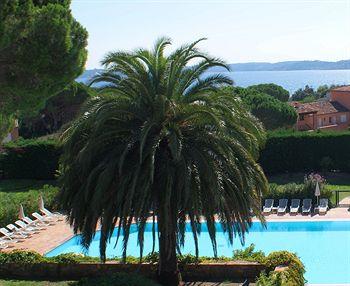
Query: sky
[[237, 31]]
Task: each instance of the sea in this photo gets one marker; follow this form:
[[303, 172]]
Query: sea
[[290, 80]]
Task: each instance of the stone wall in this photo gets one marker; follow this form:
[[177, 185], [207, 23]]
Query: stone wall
[[191, 272]]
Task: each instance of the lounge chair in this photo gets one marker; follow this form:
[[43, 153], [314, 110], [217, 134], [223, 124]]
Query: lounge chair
[[3, 244], [282, 206], [44, 219], [294, 206], [35, 223], [306, 208], [25, 227], [267, 209], [14, 237], [323, 207], [46, 212], [16, 230]]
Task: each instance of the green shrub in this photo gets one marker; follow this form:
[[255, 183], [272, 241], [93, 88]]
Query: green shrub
[[296, 191], [22, 257], [305, 152], [10, 202], [273, 279], [294, 275], [118, 279], [248, 254], [30, 159], [68, 258]]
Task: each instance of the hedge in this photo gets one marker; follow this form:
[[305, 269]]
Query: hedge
[[283, 152], [30, 159], [306, 152]]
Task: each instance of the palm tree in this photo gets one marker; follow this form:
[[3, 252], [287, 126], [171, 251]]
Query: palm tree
[[162, 141]]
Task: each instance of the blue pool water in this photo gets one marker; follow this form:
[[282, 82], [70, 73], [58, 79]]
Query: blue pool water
[[323, 246]]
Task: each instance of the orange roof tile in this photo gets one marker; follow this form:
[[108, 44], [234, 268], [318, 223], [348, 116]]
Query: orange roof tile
[[319, 107], [342, 88]]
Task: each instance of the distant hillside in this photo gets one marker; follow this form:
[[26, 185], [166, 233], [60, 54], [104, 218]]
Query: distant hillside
[[292, 65], [280, 66]]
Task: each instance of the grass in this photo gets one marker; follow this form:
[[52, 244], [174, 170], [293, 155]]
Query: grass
[[33, 283], [335, 181], [22, 185]]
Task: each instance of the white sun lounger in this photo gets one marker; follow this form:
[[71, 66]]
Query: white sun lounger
[[267, 209], [307, 204], [14, 237], [45, 219], [323, 207], [15, 229], [47, 213], [294, 206], [282, 206], [3, 244], [25, 227], [35, 223]]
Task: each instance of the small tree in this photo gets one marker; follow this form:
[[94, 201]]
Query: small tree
[[162, 141]]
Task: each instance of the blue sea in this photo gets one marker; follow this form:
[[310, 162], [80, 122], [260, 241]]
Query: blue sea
[[291, 80]]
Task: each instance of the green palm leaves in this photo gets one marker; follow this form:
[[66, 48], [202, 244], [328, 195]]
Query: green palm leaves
[[162, 140]]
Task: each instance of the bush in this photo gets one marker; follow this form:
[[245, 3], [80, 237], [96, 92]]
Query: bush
[[306, 152], [273, 279], [30, 159], [248, 254], [22, 257], [296, 191], [10, 202], [294, 275], [118, 279]]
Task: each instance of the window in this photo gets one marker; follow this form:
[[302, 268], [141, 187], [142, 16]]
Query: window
[[330, 120], [343, 118], [301, 117]]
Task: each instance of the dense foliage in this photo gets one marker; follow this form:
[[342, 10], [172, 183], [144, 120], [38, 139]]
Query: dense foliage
[[306, 152], [272, 112], [42, 49], [58, 112], [296, 191], [11, 200], [30, 159], [274, 90], [161, 137], [308, 93]]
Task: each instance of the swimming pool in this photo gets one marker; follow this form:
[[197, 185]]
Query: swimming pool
[[323, 246]]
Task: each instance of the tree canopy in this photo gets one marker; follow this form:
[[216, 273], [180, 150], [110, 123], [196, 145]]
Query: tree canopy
[[162, 141], [308, 94], [42, 49], [274, 90], [270, 111], [58, 112]]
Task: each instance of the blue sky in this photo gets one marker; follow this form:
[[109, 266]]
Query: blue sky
[[237, 31]]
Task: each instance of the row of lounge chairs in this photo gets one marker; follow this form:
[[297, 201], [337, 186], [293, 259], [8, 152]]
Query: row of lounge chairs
[[25, 227], [294, 206]]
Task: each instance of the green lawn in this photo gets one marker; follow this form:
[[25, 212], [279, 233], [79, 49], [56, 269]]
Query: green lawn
[[32, 283], [22, 185], [335, 181]]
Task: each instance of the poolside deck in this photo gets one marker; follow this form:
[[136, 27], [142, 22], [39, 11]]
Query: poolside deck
[[55, 235]]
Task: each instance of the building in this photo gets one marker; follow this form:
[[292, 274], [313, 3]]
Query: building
[[332, 113]]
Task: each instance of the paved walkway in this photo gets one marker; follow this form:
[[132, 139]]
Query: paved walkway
[[55, 235]]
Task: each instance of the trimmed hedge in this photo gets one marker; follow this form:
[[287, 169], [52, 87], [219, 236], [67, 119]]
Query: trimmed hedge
[[30, 159], [305, 152], [283, 152]]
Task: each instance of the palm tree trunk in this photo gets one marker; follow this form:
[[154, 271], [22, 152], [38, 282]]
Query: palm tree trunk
[[168, 271]]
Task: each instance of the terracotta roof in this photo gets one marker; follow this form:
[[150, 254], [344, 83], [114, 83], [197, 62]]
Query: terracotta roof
[[342, 88], [319, 107]]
